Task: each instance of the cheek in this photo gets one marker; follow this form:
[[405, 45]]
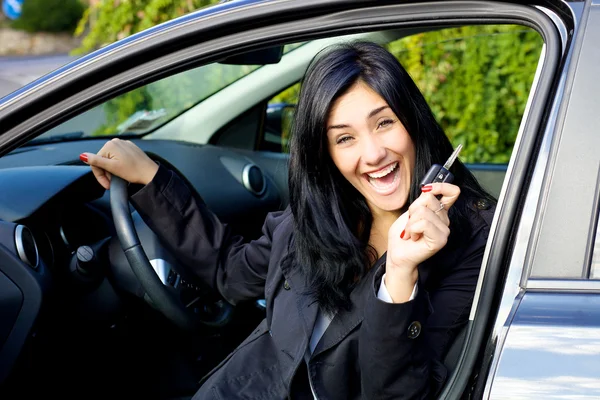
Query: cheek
[[344, 161], [407, 149]]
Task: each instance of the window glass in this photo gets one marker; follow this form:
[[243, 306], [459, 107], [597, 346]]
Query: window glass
[[477, 81], [148, 107], [143, 109], [475, 78]]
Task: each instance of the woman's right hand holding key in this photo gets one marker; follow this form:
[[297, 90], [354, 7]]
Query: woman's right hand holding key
[[121, 158]]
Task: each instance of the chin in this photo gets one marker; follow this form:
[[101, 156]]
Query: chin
[[399, 203]]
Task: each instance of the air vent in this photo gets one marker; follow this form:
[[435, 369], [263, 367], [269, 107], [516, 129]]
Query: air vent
[[26, 247], [253, 179]]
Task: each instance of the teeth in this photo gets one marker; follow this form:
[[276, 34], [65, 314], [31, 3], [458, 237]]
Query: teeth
[[383, 172], [377, 184]]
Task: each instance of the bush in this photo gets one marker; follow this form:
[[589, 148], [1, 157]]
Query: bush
[[107, 21], [476, 80], [49, 15]]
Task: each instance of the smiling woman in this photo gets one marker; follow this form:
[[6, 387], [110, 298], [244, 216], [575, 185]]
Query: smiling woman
[[342, 277], [371, 136], [361, 240]]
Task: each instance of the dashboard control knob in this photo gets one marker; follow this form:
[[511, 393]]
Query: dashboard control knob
[[86, 259], [87, 264]]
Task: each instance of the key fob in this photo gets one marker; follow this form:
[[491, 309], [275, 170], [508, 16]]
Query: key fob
[[437, 173]]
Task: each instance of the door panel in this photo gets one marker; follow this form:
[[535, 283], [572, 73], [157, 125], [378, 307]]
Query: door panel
[[552, 349]]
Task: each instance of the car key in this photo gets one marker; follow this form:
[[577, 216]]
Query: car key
[[439, 173]]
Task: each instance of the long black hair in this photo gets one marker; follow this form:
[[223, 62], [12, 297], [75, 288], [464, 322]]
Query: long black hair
[[332, 221]]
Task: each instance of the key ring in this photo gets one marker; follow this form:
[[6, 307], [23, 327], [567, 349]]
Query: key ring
[[439, 209]]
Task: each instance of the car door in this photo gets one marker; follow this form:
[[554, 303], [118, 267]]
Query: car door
[[548, 322], [238, 27]]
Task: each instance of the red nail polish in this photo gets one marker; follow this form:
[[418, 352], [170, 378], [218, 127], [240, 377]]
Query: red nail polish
[[402, 234], [426, 188], [83, 157]]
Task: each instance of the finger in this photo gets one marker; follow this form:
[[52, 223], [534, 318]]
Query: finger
[[436, 237], [449, 193], [420, 214], [430, 202], [398, 226], [425, 199], [440, 219], [100, 175], [99, 161], [100, 167]]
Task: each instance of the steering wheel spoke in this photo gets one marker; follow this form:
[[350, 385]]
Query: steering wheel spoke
[[157, 277], [165, 272]]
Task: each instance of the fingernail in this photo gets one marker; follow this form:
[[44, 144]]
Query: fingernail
[[83, 157], [426, 188], [402, 234]]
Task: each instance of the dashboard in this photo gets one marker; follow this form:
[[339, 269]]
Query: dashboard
[[57, 237]]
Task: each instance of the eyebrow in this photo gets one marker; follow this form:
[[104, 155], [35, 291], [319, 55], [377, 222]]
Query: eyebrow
[[377, 111], [371, 115]]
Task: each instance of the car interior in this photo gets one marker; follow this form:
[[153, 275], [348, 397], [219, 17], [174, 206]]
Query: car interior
[[75, 313]]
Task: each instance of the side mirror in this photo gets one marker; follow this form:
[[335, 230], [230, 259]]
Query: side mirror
[[278, 125]]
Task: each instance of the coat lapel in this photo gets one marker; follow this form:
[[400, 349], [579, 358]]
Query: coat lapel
[[345, 321], [307, 308]]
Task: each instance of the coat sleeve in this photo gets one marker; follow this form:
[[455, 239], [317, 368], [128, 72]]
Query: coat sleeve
[[237, 270], [402, 346]]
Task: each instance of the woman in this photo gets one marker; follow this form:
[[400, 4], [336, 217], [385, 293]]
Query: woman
[[368, 277]]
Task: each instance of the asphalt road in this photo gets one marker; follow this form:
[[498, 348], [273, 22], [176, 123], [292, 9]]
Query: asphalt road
[[16, 71]]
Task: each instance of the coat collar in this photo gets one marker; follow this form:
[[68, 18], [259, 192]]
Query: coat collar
[[345, 321]]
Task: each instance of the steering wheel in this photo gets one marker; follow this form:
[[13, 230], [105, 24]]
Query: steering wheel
[[159, 295]]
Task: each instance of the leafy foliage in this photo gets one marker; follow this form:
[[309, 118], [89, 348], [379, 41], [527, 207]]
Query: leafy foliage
[[477, 81], [111, 20], [49, 15], [475, 78]]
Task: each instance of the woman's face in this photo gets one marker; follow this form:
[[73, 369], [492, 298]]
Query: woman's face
[[371, 148]]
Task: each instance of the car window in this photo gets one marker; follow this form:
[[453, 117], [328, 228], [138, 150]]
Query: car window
[[476, 89], [149, 107], [145, 108]]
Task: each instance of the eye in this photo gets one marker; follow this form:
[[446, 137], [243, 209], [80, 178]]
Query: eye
[[386, 122], [343, 139]]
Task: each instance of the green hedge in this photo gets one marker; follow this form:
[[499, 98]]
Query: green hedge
[[110, 20], [475, 78], [49, 15], [477, 81]]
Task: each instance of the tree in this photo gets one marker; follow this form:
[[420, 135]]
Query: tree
[[475, 78], [106, 21]]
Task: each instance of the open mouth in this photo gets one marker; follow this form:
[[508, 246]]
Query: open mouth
[[385, 180]]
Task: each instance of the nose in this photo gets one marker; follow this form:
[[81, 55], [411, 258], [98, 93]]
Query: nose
[[373, 152]]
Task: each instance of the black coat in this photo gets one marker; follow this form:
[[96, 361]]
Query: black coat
[[377, 350]]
